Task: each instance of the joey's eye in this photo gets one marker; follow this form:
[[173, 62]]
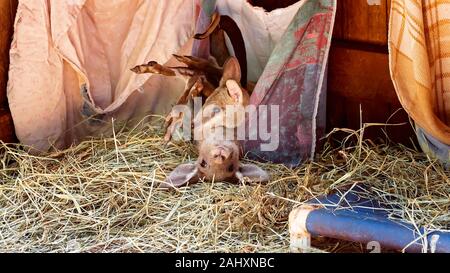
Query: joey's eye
[[216, 110], [231, 168], [204, 164]]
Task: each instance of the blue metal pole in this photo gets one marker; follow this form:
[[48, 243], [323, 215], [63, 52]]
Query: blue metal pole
[[353, 217], [359, 227]]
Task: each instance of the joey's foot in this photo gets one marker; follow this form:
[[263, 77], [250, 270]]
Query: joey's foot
[[173, 122], [153, 68]]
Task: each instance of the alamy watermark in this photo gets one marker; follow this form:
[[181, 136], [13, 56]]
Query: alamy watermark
[[229, 122], [304, 244]]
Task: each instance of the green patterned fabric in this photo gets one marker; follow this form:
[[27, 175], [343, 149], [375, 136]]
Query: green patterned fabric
[[293, 80]]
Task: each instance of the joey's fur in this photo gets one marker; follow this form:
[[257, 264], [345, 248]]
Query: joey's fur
[[219, 87]]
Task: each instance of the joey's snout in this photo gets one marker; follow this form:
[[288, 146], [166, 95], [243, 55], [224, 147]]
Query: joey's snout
[[220, 154], [218, 161]]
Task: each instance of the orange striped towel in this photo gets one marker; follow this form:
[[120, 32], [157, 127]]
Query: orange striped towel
[[419, 45]]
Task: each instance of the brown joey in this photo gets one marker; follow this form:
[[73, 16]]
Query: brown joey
[[215, 129]]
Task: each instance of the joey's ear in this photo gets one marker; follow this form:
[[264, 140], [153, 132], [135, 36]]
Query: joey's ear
[[231, 71], [181, 176], [252, 172]]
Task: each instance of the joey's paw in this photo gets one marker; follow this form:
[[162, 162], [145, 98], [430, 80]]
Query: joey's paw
[[173, 122]]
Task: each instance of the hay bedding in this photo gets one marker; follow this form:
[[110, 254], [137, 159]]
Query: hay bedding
[[100, 196]]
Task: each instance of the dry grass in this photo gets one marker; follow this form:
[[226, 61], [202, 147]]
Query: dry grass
[[101, 196]]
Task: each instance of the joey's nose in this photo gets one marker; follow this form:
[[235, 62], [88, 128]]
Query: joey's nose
[[220, 155]]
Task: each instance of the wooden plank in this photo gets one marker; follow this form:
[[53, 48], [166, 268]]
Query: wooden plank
[[7, 14], [7, 11], [362, 20], [360, 74], [359, 79], [6, 127], [388, 12], [345, 113]]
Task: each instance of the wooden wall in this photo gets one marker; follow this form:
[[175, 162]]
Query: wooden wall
[[359, 72], [7, 11]]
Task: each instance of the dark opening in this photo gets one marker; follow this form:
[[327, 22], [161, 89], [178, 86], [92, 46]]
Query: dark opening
[[270, 5]]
